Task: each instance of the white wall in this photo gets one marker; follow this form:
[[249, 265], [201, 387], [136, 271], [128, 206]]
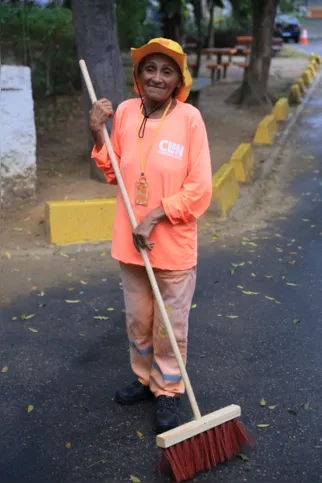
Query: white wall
[[17, 136]]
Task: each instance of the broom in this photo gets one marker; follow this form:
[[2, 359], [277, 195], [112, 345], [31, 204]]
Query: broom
[[208, 440]]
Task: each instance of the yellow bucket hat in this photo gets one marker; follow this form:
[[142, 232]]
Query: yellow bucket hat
[[171, 49]]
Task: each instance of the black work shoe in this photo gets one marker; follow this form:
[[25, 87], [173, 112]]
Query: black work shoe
[[166, 414], [133, 394]]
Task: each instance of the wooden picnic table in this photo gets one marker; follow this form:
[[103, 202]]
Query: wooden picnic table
[[219, 52]]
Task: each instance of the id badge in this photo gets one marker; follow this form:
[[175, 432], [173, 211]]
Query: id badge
[[141, 192]]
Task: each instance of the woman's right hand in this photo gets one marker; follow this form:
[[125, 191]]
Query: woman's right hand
[[99, 114]]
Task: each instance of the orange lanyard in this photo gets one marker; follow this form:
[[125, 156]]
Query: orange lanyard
[[144, 159]]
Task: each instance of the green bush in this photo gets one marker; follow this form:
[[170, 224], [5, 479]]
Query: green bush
[[43, 39]]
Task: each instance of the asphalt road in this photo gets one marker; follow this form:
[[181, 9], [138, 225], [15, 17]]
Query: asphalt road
[[313, 46], [70, 368]]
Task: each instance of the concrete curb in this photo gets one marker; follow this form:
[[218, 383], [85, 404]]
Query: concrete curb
[[245, 203]]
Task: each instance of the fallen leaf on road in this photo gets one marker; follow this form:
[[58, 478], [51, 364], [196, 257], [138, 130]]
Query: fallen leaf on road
[[37, 258], [135, 479], [240, 286], [102, 254], [40, 306], [29, 408], [292, 411], [100, 317], [305, 406], [247, 292], [72, 301], [32, 329], [292, 262], [18, 229], [16, 270], [68, 445], [139, 435], [305, 220], [253, 274], [232, 316], [215, 237], [4, 369], [40, 294], [26, 316], [306, 389], [296, 321], [291, 284], [263, 402], [262, 425], [269, 276], [110, 309], [83, 283], [13, 318], [272, 407], [8, 255], [62, 254], [243, 457]]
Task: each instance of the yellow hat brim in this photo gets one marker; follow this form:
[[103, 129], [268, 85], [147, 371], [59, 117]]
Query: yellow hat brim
[[179, 58]]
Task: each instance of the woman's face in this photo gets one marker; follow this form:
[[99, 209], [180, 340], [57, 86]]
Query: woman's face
[[160, 75]]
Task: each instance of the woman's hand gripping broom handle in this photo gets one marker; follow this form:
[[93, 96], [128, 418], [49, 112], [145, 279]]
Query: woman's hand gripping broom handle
[[144, 254]]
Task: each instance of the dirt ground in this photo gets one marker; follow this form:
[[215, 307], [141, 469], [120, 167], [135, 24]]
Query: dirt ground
[[62, 156]]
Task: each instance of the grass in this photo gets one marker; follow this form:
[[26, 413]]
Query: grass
[[289, 52]]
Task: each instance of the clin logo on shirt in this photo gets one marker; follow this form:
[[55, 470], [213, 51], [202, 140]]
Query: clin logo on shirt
[[169, 148]]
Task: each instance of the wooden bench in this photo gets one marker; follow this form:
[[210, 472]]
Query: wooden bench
[[198, 84], [215, 68]]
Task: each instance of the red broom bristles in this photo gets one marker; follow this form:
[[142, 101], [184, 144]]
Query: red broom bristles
[[206, 450]]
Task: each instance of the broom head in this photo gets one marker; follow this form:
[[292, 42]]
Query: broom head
[[201, 445]]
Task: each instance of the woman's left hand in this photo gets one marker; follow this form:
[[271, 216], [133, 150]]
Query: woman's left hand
[[142, 232]]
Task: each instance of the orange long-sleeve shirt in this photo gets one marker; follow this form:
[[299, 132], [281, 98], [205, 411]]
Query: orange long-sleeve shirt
[[178, 171]]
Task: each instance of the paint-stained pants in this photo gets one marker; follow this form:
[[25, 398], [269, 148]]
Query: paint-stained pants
[[152, 359]]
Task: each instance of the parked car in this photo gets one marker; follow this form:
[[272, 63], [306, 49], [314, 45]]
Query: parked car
[[288, 27]]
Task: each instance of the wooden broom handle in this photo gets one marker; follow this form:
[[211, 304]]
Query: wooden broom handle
[[144, 254]]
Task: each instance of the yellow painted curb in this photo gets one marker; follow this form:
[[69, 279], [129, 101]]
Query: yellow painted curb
[[300, 83], [312, 56], [295, 94], [242, 161], [307, 77], [312, 70], [225, 188], [80, 221], [318, 59], [281, 109], [266, 131]]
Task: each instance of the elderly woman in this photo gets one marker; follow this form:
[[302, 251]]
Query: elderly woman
[[162, 149]]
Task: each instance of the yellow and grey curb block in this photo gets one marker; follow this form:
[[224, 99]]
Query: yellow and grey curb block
[[225, 188], [312, 70], [307, 77], [80, 221], [266, 131], [295, 94], [242, 161], [301, 85], [281, 109]]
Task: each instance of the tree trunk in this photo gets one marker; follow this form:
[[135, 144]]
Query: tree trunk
[[211, 29], [171, 19], [97, 43], [254, 89], [198, 18]]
